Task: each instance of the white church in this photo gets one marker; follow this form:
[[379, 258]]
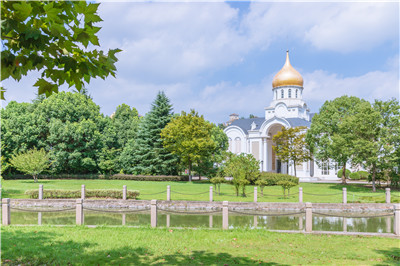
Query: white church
[[288, 109]]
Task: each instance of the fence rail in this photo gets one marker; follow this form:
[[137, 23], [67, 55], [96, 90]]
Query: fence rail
[[255, 194]]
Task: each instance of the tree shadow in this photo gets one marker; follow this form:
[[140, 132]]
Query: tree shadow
[[39, 247], [392, 255], [355, 188]]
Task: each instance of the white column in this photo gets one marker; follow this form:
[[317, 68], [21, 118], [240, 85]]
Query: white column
[[265, 155], [308, 217], [153, 213], [40, 191], [225, 214]]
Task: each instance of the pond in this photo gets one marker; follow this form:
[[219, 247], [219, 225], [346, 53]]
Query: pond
[[288, 222]]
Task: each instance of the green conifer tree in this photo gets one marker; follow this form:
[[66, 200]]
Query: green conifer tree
[[146, 154]]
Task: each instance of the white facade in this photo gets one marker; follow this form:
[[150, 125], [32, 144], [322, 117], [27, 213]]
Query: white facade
[[254, 135]]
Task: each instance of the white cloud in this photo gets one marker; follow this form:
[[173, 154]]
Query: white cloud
[[321, 85], [172, 41], [357, 26]]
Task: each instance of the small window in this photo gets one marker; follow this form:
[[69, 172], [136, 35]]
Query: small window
[[325, 168], [276, 95], [282, 94], [296, 93], [290, 93]]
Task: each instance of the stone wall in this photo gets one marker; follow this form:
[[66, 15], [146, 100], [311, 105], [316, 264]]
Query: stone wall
[[204, 205]]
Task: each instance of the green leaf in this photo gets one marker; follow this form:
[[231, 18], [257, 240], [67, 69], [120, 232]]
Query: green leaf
[[22, 10], [45, 87]]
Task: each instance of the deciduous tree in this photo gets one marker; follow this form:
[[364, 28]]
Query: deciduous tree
[[189, 137], [329, 137], [290, 145], [377, 130], [31, 162], [54, 38]]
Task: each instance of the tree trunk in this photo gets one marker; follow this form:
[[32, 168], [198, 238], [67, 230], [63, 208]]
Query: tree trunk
[[344, 174], [295, 173], [190, 171], [373, 178], [35, 178]]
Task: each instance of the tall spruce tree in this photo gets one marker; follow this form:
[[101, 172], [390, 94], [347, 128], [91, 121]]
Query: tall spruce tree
[[146, 155]]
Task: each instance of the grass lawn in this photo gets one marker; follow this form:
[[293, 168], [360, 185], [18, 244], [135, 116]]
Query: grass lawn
[[356, 192], [146, 246]]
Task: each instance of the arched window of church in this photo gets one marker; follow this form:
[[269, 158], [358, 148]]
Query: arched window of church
[[238, 146], [281, 93], [296, 92], [276, 95], [290, 93]]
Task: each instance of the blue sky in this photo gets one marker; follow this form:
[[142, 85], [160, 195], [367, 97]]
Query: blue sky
[[220, 58]]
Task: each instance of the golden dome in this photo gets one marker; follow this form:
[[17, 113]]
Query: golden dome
[[287, 75]]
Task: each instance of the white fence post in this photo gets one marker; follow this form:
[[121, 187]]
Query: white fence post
[[344, 195], [396, 228], [308, 217], [79, 212], [387, 195], [225, 214], [124, 192], [83, 192], [211, 194], [300, 194], [168, 192], [255, 194], [40, 191], [153, 213], [5, 206]]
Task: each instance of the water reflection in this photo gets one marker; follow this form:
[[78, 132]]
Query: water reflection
[[294, 222]]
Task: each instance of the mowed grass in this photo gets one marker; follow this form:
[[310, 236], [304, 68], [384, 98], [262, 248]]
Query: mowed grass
[[329, 193], [147, 246]]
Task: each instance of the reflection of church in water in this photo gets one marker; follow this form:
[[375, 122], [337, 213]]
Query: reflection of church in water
[[254, 135]]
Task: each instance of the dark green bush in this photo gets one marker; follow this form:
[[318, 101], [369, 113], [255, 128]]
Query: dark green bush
[[110, 177], [272, 179], [339, 173], [74, 194], [363, 174], [354, 176], [149, 177]]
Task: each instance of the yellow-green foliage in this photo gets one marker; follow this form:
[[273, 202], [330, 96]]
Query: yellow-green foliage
[[94, 193], [31, 162]]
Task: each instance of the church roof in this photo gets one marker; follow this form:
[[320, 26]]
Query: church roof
[[245, 124]]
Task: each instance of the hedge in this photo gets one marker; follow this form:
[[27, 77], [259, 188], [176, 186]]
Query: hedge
[[92, 193], [354, 176], [148, 177], [272, 179], [363, 174], [98, 176], [339, 173]]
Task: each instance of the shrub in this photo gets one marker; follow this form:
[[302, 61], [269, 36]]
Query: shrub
[[339, 173], [262, 183], [286, 185], [354, 176], [272, 179], [217, 181], [73, 194], [363, 174]]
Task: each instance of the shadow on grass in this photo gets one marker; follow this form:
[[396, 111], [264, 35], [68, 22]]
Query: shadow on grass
[[392, 255], [362, 188], [39, 247]]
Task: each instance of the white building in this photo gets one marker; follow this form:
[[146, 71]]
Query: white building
[[288, 109]]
